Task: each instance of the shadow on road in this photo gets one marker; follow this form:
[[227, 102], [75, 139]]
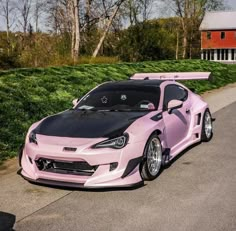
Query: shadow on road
[[7, 221], [180, 155]]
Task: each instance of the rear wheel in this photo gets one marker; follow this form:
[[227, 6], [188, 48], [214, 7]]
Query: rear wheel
[[151, 165], [207, 128]]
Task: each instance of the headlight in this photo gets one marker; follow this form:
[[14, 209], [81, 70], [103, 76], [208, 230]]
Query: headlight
[[116, 143], [32, 137]]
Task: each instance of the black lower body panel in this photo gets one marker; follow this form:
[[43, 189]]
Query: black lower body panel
[[76, 185]]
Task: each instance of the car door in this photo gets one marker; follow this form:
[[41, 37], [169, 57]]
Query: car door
[[177, 122]]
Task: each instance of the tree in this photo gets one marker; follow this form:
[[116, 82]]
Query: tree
[[132, 8], [148, 40], [24, 9], [190, 13], [83, 21], [6, 10], [38, 10], [76, 30], [65, 18], [138, 10], [73, 11], [146, 6], [107, 27]]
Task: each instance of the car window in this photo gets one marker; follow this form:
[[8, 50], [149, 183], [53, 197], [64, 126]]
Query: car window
[[137, 98], [174, 92]]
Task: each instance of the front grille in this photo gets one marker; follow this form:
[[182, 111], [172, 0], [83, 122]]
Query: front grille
[[64, 167]]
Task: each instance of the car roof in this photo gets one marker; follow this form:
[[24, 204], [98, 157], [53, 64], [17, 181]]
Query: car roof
[[138, 83]]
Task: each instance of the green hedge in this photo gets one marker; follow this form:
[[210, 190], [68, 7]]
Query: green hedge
[[27, 95]]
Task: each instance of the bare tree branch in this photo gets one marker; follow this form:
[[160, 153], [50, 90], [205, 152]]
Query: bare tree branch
[[109, 22]]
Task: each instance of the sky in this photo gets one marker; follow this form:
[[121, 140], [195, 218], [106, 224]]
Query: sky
[[165, 10], [231, 4]]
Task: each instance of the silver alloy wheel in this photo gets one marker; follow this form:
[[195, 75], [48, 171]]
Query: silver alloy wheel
[[208, 125], [154, 156]]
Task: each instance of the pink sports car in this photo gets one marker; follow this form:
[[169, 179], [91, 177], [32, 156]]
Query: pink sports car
[[119, 134]]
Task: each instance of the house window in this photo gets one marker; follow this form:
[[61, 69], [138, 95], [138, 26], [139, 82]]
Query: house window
[[222, 35], [208, 54], [232, 53], [212, 54], [226, 54], [218, 54], [222, 54], [204, 55], [208, 35]]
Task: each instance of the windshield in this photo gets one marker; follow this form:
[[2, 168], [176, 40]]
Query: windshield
[[121, 98]]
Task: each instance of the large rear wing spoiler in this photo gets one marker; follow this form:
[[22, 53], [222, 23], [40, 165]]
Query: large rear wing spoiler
[[172, 76]]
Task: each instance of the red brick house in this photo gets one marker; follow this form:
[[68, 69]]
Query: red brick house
[[218, 36]]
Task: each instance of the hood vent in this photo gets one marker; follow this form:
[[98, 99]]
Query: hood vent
[[69, 149]]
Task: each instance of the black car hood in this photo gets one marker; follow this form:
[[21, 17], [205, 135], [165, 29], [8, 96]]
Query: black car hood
[[87, 124]]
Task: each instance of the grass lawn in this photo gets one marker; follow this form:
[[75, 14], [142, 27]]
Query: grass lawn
[[27, 95]]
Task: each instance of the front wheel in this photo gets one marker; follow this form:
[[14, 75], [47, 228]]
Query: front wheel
[[207, 128], [151, 165]]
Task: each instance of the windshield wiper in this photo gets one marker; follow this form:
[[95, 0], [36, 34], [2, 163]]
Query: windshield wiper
[[130, 110]]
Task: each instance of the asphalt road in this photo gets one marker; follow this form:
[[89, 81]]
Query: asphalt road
[[197, 192]]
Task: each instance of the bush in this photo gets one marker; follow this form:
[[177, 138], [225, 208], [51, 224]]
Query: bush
[[8, 61], [27, 95], [149, 40]]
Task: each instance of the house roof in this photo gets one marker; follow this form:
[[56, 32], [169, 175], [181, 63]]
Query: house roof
[[219, 20]]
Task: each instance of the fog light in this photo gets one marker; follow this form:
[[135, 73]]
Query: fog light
[[39, 164], [113, 166], [44, 164]]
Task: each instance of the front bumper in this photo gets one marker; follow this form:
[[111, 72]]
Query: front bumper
[[77, 185], [126, 174]]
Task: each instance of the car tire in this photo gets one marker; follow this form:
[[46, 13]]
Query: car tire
[[207, 128], [152, 161]]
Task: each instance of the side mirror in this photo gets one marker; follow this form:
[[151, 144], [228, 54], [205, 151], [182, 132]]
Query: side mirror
[[174, 104], [75, 101]]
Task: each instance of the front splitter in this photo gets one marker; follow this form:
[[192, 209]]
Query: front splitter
[[78, 185]]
